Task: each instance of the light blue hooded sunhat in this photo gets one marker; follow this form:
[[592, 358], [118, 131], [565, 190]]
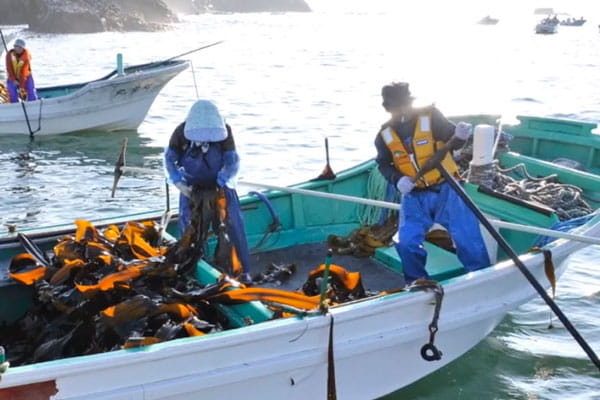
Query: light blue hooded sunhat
[[204, 123]]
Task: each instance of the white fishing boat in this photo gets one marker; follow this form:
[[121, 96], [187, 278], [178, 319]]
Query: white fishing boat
[[360, 349], [117, 101]]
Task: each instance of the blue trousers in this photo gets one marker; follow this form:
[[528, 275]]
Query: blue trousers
[[13, 90], [419, 211], [235, 224]]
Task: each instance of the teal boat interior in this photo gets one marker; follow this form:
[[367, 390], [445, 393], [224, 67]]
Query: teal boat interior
[[294, 228], [551, 139]]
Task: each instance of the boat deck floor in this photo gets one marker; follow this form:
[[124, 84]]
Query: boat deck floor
[[375, 275]]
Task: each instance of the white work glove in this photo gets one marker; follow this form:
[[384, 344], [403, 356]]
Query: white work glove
[[405, 185], [463, 130], [184, 189]]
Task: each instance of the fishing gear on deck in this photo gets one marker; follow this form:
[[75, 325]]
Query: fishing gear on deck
[[363, 241], [275, 273]]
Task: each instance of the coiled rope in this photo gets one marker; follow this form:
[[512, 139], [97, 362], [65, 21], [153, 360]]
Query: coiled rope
[[565, 199], [377, 189]]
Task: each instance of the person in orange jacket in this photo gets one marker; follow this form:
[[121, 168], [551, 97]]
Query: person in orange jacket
[[18, 68]]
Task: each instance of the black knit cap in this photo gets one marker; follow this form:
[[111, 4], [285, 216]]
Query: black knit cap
[[395, 94]]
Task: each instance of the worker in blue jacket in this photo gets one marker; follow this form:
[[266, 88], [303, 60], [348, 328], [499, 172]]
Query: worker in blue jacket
[[404, 144], [201, 154]]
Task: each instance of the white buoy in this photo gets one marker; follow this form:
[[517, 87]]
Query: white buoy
[[483, 145], [481, 168]]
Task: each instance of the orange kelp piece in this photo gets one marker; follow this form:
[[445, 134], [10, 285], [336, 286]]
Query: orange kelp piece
[[85, 231], [192, 330], [133, 235], [236, 265], [24, 269], [111, 233], [132, 343], [128, 310], [183, 311], [68, 249], [350, 280], [97, 250], [66, 271], [109, 281], [292, 299]]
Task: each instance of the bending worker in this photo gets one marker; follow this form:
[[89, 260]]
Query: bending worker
[[201, 154], [405, 143], [18, 68]]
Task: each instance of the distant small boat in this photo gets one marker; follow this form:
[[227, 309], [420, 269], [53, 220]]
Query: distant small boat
[[547, 26], [573, 22], [117, 101], [487, 20]]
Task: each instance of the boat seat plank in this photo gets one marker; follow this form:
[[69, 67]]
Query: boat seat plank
[[441, 264]]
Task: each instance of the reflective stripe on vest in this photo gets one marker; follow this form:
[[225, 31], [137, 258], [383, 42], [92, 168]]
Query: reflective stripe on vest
[[423, 147]]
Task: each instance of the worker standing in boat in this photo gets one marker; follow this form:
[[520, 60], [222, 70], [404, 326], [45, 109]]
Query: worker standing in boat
[[404, 143], [201, 155], [18, 68]]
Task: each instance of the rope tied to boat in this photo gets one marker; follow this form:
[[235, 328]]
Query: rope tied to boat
[[429, 351], [274, 226]]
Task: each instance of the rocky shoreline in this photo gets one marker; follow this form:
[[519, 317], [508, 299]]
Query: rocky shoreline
[[88, 16]]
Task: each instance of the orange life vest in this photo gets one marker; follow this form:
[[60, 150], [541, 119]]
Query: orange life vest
[[18, 66], [409, 161]]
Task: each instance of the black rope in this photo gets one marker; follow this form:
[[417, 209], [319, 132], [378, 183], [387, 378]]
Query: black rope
[[331, 388], [429, 351]]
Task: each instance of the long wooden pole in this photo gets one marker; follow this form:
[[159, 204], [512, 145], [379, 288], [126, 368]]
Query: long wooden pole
[[386, 204]]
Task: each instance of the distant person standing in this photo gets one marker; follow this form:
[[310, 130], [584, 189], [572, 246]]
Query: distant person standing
[[18, 68]]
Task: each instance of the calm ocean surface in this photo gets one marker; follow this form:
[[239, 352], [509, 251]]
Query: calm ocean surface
[[284, 83]]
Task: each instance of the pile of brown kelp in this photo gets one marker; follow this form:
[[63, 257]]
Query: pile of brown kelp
[[115, 288]]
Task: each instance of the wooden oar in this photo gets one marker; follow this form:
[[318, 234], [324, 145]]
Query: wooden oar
[[327, 171], [120, 168], [394, 206]]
